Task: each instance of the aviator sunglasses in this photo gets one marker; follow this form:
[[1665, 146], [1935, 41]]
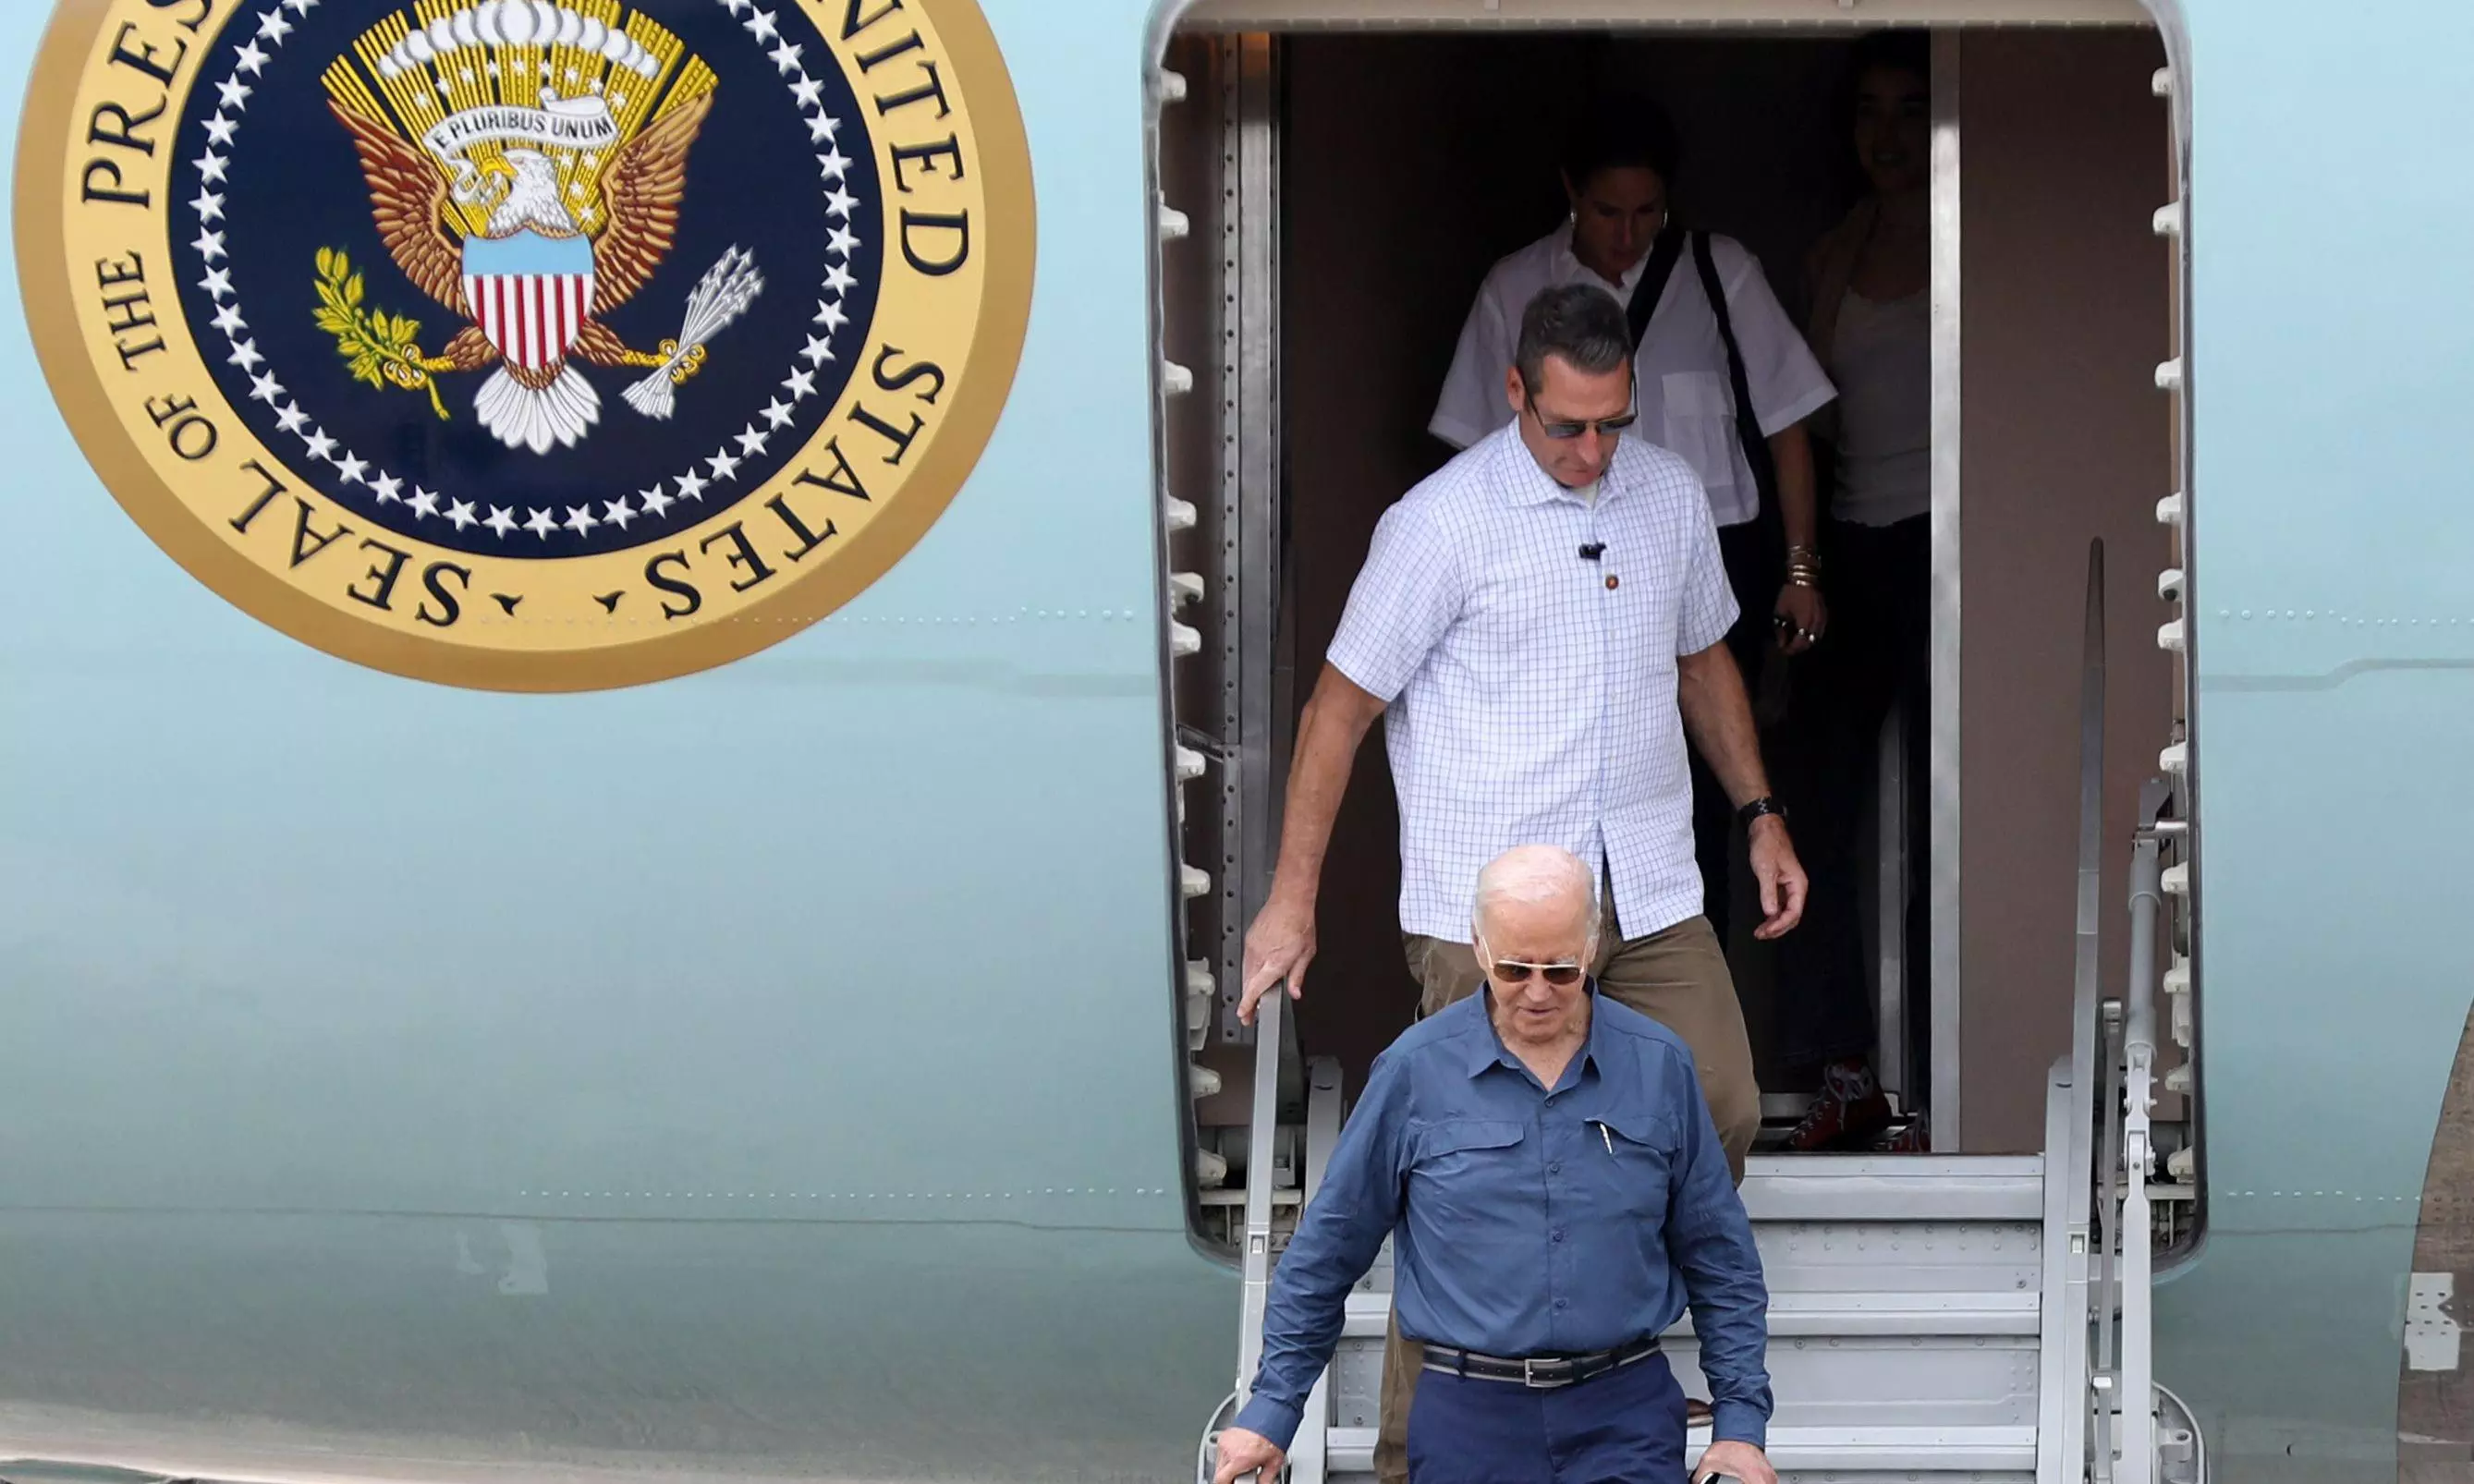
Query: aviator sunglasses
[[1566, 432], [1516, 971]]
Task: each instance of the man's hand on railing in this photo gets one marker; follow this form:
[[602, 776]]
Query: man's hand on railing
[[1243, 1452], [1739, 1461], [1279, 945]]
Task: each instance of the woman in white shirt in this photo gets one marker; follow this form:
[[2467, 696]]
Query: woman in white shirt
[[1870, 285], [1615, 173]]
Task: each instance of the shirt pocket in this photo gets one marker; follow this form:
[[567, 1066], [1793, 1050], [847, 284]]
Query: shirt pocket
[[1700, 423], [1463, 1169], [1646, 1147]]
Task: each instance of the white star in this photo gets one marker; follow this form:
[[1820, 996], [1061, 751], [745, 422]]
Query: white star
[[254, 58], [321, 446], [541, 525], [725, 466], [353, 467], [502, 521], [840, 203], [211, 207], [228, 319], [292, 419], [245, 355], [274, 28], [822, 128], [739, 7], [828, 314], [235, 93], [835, 163], [802, 384], [213, 167], [786, 57], [266, 389], [617, 513], [839, 279], [809, 93], [219, 129], [579, 520], [467, 75], [818, 352], [390, 488], [655, 501], [763, 27], [424, 503], [691, 485], [461, 513], [842, 242], [209, 245], [751, 442], [778, 413], [302, 7], [445, 90], [491, 70], [573, 77], [218, 282]]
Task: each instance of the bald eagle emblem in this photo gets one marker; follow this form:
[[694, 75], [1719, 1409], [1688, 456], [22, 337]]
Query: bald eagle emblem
[[526, 162]]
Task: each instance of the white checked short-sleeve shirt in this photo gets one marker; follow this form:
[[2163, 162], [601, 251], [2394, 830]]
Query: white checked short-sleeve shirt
[[1688, 401], [1532, 691]]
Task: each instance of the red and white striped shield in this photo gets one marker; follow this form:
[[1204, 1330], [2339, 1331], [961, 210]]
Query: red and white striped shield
[[532, 319], [530, 294]]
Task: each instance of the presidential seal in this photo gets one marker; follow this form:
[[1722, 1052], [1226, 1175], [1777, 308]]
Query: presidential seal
[[534, 345]]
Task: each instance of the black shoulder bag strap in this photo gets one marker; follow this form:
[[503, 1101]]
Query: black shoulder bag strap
[[1653, 282], [1748, 424]]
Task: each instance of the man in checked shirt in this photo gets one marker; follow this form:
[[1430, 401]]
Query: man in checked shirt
[[1542, 623], [1545, 1164]]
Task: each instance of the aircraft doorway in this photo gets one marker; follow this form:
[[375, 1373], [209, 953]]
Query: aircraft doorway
[[1364, 183]]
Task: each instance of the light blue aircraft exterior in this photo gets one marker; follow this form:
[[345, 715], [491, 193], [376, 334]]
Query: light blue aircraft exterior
[[777, 1071]]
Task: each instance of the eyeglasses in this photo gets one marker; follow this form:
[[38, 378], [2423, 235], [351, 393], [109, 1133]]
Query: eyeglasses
[[1516, 971], [1607, 427]]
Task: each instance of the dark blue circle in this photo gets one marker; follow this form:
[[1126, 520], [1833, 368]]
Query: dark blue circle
[[754, 181]]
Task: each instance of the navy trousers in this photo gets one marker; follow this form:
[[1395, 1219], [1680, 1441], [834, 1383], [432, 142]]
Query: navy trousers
[[1623, 1427]]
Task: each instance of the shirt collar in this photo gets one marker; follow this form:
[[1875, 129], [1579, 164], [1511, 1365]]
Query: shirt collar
[[1524, 483], [1487, 1049]]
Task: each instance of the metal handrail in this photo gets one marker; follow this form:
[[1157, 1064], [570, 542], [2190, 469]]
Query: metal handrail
[[1262, 1128], [2137, 1369]]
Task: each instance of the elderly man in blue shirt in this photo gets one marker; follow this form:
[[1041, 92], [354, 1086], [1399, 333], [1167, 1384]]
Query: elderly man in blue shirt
[[1559, 1198]]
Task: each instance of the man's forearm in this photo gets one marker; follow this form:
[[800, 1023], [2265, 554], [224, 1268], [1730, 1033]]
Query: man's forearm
[[1792, 455], [1718, 718], [1330, 729]]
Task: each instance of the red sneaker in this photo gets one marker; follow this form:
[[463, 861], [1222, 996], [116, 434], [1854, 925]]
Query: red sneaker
[[1849, 1110]]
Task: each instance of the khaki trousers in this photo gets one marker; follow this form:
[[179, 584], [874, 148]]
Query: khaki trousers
[[1678, 978]]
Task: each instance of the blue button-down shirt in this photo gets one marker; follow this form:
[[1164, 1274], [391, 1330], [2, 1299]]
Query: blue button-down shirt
[[1530, 1221]]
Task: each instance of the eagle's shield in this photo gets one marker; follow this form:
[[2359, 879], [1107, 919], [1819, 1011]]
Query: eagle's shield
[[530, 293]]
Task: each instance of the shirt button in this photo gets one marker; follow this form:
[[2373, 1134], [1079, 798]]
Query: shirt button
[[1556, 1168], [1558, 1234], [1612, 582], [1550, 1100], [1562, 1304]]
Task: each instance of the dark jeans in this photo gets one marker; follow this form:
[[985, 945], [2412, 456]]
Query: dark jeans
[[1623, 1427], [1877, 650], [1753, 572]]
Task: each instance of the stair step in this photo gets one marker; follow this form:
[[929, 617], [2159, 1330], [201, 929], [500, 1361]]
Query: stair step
[[1795, 1315], [1895, 1188], [1830, 1450]]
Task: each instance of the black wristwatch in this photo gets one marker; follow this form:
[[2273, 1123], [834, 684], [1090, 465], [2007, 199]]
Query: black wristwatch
[[1764, 805]]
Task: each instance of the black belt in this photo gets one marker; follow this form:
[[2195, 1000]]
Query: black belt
[[1542, 1371]]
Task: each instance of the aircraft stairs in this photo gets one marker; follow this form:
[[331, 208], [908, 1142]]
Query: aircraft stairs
[[1932, 1318]]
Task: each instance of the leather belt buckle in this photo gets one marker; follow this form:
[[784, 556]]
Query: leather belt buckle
[[1529, 1375]]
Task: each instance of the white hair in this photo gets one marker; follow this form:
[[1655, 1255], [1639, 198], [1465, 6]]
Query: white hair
[[1537, 875]]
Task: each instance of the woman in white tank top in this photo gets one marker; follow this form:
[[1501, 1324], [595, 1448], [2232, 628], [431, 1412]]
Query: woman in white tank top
[[1870, 285]]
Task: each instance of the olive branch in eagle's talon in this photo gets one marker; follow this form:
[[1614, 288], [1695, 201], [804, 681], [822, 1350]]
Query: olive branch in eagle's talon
[[381, 348]]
